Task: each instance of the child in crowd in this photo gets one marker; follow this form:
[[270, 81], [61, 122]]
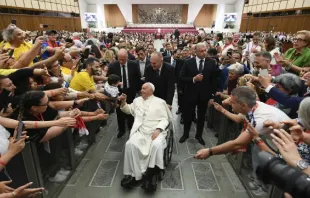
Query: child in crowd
[[111, 91]]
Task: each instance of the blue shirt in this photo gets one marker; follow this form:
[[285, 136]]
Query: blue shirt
[[224, 76], [46, 54]]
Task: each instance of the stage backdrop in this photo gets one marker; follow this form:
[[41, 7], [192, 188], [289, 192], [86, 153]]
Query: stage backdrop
[[160, 14]]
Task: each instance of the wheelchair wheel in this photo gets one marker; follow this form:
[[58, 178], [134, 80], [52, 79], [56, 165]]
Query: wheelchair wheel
[[170, 150]]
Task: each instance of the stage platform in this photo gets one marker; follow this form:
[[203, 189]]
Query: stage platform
[[164, 28]]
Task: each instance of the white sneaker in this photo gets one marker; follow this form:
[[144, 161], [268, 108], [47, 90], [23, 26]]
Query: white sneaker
[[63, 172], [58, 178], [78, 152]]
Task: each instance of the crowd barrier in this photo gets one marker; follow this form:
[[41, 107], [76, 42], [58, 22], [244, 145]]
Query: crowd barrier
[[35, 164], [241, 162]]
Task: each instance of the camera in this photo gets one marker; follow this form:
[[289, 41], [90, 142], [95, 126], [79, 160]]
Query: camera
[[84, 55], [274, 170]]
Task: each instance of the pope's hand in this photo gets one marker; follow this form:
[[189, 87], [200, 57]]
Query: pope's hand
[[155, 134], [203, 154], [122, 98]]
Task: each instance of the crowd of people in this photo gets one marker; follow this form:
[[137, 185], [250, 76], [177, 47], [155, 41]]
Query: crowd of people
[[47, 79]]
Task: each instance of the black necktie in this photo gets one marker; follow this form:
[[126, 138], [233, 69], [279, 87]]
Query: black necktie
[[158, 72], [124, 77], [200, 66]]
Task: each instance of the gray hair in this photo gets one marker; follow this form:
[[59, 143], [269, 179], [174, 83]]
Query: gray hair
[[201, 44], [290, 82], [245, 95], [151, 85], [236, 68], [8, 33], [304, 113], [158, 54]]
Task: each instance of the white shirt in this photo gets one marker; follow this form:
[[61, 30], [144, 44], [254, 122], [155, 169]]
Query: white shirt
[[250, 46], [111, 90], [172, 59], [272, 52], [126, 69], [266, 112], [142, 66], [198, 62]]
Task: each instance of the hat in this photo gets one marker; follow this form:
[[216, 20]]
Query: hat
[[51, 32]]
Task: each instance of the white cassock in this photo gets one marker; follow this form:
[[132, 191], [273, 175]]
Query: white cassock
[[141, 151]]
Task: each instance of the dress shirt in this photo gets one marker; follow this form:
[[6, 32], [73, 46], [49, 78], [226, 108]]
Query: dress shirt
[[172, 59], [126, 69], [142, 66], [198, 62]]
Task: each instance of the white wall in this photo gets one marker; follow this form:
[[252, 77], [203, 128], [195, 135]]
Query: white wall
[[193, 11], [219, 20], [83, 9], [230, 8], [101, 17], [92, 8], [238, 9], [126, 9]]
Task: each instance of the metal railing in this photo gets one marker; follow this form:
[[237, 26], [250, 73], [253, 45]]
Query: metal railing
[[31, 166], [241, 162]]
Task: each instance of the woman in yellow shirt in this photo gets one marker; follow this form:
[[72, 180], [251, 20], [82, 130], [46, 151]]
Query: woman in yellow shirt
[[15, 40]]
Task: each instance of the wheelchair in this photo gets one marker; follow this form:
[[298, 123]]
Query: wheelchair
[[168, 150]]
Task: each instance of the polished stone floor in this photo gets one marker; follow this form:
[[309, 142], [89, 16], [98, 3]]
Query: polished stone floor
[[100, 172]]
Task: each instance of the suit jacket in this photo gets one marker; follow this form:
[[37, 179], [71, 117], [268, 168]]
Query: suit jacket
[[165, 53], [131, 56], [162, 50], [164, 84], [134, 77], [177, 70], [167, 59], [204, 89]]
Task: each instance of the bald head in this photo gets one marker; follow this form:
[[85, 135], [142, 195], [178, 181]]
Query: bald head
[[156, 60], [122, 56]]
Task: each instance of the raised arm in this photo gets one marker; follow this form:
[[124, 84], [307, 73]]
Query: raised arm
[[28, 57]]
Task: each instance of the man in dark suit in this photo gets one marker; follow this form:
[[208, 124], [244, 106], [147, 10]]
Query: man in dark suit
[[130, 76], [150, 50], [142, 60], [173, 59], [177, 34], [123, 45], [200, 76], [163, 48], [162, 75], [168, 50]]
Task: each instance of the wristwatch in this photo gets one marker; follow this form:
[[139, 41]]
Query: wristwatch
[[288, 67], [302, 164]]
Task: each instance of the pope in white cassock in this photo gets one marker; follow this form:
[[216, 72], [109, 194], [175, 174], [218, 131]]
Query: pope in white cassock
[[145, 148]]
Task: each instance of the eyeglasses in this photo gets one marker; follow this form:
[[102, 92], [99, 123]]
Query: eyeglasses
[[298, 40]]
